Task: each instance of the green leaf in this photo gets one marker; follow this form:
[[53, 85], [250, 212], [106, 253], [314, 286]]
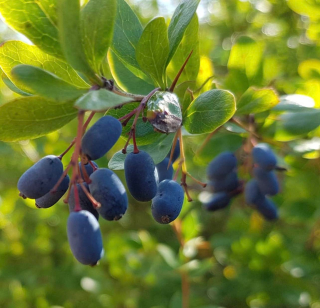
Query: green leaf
[[45, 84], [145, 133], [125, 78], [309, 69], [306, 7], [184, 96], [300, 123], [71, 40], [257, 100], [294, 102], [36, 19], [32, 117], [209, 111], [168, 254], [158, 151], [245, 64], [127, 32], [12, 86], [180, 20], [13, 53], [100, 100], [190, 42], [246, 55], [97, 21], [153, 49]]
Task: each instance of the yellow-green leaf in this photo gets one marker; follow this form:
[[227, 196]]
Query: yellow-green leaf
[[189, 42], [127, 32], [152, 50], [97, 21], [209, 111], [257, 100], [13, 53], [36, 19], [71, 39], [125, 78], [179, 23], [45, 84], [32, 117]]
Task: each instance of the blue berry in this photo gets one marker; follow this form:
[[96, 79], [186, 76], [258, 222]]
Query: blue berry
[[222, 165], [101, 137], [267, 181], [217, 201], [41, 177], [49, 199], [167, 204], [107, 189], [264, 157], [84, 237], [141, 176]]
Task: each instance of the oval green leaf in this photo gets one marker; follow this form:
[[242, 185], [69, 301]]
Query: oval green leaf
[[71, 40], [152, 50], [32, 117], [97, 21], [300, 123], [257, 100], [209, 111], [12, 86], [189, 42], [45, 84], [180, 20], [13, 53], [127, 32], [37, 21], [125, 78], [100, 100]]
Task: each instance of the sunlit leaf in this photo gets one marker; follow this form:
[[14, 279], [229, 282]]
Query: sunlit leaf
[[32, 117], [127, 32], [36, 20], [257, 100], [97, 21], [152, 50], [100, 100], [125, 78], [209, 111], [179, 22], [71, 38], [13, 53]]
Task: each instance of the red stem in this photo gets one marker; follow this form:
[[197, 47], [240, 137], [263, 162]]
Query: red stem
[[173, 85], [77, 207]]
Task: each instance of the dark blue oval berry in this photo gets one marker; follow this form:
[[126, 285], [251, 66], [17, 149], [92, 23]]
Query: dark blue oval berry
[[50, 199], [101, 137], [107, 189], [84, 237], [41, 177], [222, 165], [167, 204], [141, 176]]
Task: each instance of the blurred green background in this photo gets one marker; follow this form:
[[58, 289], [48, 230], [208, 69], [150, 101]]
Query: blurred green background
[[232, 258]]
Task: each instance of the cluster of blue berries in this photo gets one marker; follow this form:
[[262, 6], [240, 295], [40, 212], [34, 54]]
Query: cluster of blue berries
[[264, 183], [99, 191], [147, 181], [223, 181]]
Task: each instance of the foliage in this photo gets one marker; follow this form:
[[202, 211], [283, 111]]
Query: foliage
[[255, 53]]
